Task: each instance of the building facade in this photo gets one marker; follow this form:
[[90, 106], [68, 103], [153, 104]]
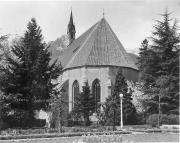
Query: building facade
[[94, 57]]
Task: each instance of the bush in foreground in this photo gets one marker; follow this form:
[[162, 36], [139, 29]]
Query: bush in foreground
[[164, 119]]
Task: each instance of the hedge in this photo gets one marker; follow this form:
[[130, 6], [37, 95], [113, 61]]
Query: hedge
[[164, 119]]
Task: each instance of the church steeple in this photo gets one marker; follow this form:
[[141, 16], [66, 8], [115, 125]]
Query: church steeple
[[71, 29]]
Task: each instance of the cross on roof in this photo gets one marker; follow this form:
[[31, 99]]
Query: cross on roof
[[103, 13]]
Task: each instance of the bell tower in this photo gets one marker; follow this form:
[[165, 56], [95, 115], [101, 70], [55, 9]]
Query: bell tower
[[71, 29]]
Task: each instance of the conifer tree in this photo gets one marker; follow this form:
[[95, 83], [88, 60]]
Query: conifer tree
[[160, 73], [165, 42], [85, 104], [27, 83], [112, 104], [2, 63]]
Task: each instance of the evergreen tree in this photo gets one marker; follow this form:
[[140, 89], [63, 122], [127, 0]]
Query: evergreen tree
[[2, 39], [148, 74], [160, 72], [28, 83], [85, 104], [166, 41], [112, 104], [4, 50], [143, 53], [3, 108], [58, 108]]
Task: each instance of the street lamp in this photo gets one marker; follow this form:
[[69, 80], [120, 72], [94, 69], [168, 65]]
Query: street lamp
[[121, 96]]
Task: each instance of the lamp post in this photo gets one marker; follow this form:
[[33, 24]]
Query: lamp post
[[121, 96]]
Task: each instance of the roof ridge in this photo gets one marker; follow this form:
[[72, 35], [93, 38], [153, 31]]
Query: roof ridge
[[97, 24]]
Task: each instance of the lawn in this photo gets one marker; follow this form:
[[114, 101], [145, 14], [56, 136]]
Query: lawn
[[150, 137]]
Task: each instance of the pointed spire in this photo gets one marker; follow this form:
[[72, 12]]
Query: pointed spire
[[71, 29], [71, 18]]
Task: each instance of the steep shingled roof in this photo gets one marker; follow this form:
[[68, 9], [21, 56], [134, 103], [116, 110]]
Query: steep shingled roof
[[96, 47]]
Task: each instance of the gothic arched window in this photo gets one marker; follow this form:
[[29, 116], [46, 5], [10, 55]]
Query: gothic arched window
[[96, 91], [75, 92]]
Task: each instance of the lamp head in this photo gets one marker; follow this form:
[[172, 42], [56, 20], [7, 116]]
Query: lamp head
[[121, 95]]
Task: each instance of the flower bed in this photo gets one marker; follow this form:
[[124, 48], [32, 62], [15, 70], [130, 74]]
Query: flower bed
[[51, 130], [101, 139], [76, 131], [52, 135], [88, 129]]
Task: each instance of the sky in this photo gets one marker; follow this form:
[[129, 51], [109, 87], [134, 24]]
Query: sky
[[131, 20]]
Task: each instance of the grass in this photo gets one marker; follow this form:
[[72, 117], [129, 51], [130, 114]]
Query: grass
[[150, 137], [130, 133]]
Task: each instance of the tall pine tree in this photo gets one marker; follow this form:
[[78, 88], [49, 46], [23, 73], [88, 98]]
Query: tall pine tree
[[27, 83], [160, 72]]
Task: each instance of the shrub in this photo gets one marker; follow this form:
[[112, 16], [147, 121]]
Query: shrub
[[3, 125], [164, 119], [140, 119], [173, 119], [74, 119]]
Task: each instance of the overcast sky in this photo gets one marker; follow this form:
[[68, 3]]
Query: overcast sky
[[131, 20]]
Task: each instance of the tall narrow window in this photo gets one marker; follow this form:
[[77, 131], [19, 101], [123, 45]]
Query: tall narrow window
[[75, 92], [96, 90]]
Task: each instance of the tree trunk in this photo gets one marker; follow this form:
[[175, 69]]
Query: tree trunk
[[59, 126], [31, 114], [86, 119], [114, 120]]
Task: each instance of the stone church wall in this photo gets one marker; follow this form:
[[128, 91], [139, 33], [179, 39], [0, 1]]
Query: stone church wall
[[100, 73], [72, 75], [87, 74], [106, 76]]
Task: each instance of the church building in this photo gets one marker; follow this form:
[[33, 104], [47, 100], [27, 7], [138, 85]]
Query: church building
[[94, 57]]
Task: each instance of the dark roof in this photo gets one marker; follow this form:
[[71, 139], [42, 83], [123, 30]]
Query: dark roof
[[98, 46]]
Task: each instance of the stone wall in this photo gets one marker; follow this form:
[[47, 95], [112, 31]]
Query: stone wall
[[106, 76], [87, 74]]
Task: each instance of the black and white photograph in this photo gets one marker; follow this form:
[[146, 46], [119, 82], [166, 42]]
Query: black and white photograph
[[95, 71]]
